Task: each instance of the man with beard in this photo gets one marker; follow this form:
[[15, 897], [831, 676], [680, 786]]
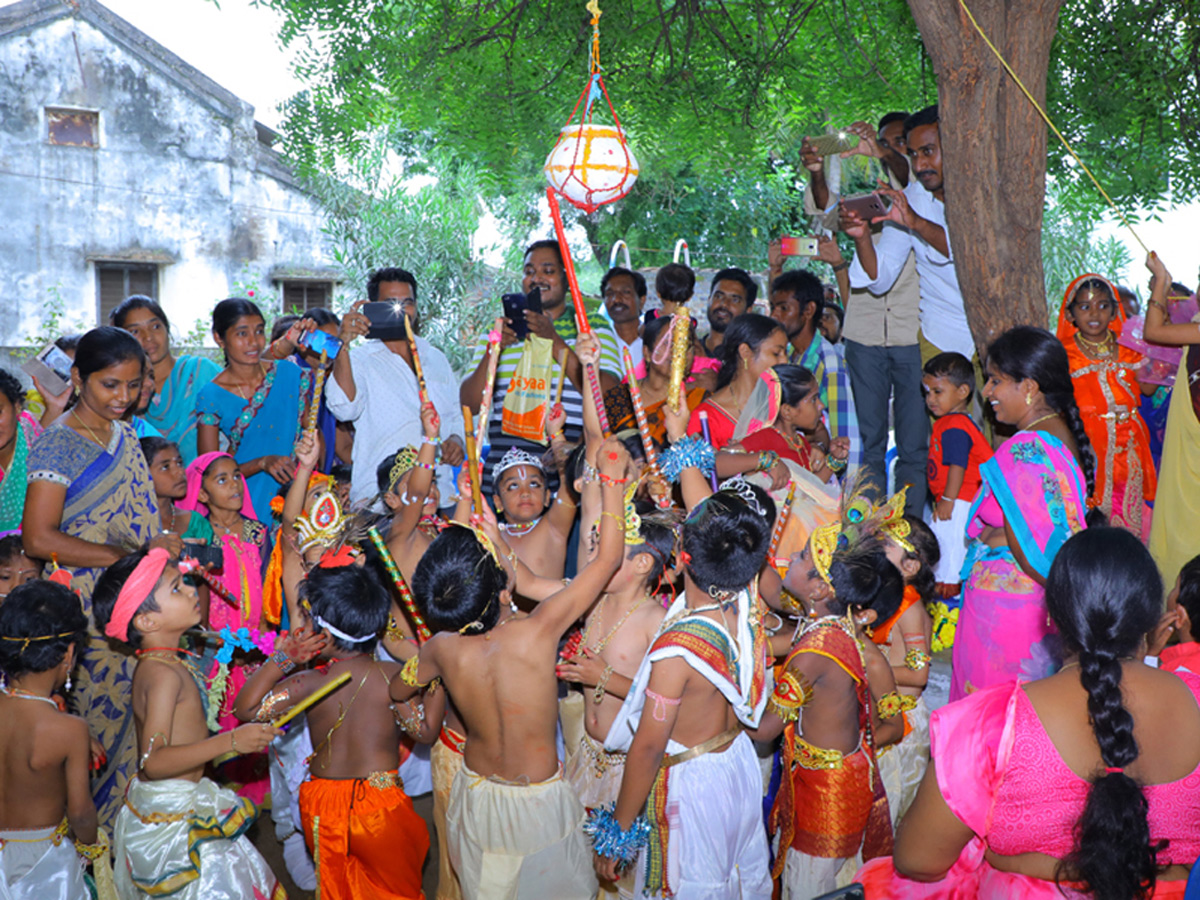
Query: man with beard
[[797, 302], [733, 293], [624, 293], [556, 323], [916, 224], [375, 387]]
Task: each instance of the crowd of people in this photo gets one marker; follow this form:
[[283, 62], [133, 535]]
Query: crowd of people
[[666, 630]]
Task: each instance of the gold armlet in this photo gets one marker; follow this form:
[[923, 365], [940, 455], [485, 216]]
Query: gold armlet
[[790, 604], [408, 674], [891, 705], [792, 693], [916, 659], [266, 710]]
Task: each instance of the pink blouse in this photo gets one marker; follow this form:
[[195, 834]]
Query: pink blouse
[[1006, 780]]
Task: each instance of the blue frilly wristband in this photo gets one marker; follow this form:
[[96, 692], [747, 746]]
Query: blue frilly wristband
[[690, 453], [610, 840]]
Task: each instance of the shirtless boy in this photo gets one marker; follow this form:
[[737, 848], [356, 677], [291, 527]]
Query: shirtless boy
[[614, 639], [142, 600], [834, 702], [359, 823], [513, 823], [704, 679], [43, 752], [536, 528]]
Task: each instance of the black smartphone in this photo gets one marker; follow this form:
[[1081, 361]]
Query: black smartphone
[[515, 306], [849, 892], [203, 554], [387, 320], [514, 311]]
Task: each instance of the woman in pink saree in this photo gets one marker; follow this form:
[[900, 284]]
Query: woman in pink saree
[[1083, 784], [1033, 498]]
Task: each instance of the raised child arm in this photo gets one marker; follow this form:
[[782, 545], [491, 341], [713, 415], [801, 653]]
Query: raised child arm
[[559, 612]]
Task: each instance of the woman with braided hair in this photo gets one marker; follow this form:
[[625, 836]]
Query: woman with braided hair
[[1083, 784], [1033, 497]]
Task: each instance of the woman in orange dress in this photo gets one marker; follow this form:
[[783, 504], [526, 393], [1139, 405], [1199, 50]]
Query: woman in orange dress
[[1108, 393]]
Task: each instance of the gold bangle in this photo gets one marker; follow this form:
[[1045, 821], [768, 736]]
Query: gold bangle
[[233, 742]]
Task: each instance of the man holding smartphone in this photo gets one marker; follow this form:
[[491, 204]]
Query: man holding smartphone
[[556, 323], [916, 224], [374, 385]]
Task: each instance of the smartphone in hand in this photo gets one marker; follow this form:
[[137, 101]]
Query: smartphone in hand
[[798, 246], [318, 340], [867, 206]]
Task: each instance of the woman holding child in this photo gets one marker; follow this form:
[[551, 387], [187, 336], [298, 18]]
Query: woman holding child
[[1033, 497], [90, 502]]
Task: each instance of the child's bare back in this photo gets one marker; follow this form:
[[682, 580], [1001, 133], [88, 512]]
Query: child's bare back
[[353, 732], [42, 750]]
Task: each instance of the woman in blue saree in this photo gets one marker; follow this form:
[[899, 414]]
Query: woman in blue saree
[[90, 501], [177, 379], [258, 404]]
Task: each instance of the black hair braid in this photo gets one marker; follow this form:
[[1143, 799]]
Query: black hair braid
[[1064, 403], [1113, 853]]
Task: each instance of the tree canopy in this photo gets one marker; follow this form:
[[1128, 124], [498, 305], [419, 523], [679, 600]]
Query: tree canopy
[[715, 97]]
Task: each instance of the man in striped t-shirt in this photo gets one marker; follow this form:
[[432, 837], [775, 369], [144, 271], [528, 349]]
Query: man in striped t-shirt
[[543, 270]]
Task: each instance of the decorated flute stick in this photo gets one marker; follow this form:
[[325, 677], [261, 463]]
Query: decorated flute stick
[[681, 335], [581, 319], [473, 462], [562, 376], [635, 396], [781, 519], [318, 390], [489, 386], [412, 343], [712, 476], [312, 699], [406, 596]]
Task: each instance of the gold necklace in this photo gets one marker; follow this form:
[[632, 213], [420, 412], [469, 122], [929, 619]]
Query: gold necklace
[[1029, 427], [1100, 348], [78, 418], [241, 388], [608, 637]]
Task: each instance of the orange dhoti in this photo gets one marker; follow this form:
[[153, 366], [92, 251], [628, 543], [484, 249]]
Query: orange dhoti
[[832, 807], [370, 841]]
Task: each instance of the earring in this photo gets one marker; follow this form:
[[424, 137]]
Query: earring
[[745, 362], [1029, 399], [67, 685]]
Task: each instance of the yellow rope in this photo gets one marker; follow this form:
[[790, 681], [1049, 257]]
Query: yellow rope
[[594, 8], [1124, 220]]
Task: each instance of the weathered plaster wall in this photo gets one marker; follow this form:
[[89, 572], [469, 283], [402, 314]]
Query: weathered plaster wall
[[179, 174]]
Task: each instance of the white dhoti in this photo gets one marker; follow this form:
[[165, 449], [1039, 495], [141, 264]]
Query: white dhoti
[[595, 775], [518, 842], [951, 536], [187, 839], [902, 765], [717, 845], [40, 864]]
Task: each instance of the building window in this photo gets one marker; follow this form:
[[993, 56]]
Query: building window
[[115, 281], [73, 127], [301, 296]]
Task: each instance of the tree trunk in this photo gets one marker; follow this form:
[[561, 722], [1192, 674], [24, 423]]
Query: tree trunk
[[993, 152]]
